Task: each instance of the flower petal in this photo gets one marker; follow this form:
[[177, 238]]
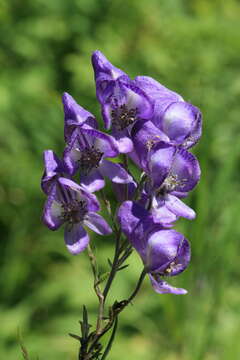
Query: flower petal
[[177, 207], [92, 182], [75, 116], [162, 249], [115, 172], [180, 121], [161, 214], [160, 160], [144, 135], [97, 223], [78, 192], [187, 170], [53, 167], [125, 144], [136, 222], [103, 142], [76, 238], [162, 287], [52, 212]]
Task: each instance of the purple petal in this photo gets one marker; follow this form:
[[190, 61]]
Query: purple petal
[[162, 287], [103, 142], [96, 223], [52, 212], [136, 98], [135, 223], [161, 214], [124, 192], [180, 121], [182, 260], [77, 192], [115, 172], [187, 170], [53, 167], [72, 154], [125, 144], [92, 182], [161, 96], [75, 115], [144, 135], [76, 238], [162, 249], [160, 160], [178, 208]]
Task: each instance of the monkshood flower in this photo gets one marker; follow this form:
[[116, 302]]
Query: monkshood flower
[[87, 151], [123, 103], [172, 172], [164, 253], [70, 204], [53, 169], [180, 121], [75, 116]]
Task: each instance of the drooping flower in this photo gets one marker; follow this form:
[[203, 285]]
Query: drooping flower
[[123, 103], [164, 253], [75, 116], [179, 120], [87, 151], [70, 204]]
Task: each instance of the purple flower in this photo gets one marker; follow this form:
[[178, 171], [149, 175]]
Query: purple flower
[[70, 204], [172, 173], [75, 116], [123, 103], [164, 252], [180, 121], [53, 169], [87, 151]]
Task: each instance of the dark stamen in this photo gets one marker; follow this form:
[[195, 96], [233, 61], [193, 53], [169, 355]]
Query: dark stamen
[[74, 211], [122, 117], [90, 158]]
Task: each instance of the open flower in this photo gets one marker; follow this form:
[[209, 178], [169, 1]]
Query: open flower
[[70, 204], [87, 151], [164, 253]]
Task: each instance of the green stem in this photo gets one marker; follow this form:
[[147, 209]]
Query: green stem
[[110, 342]]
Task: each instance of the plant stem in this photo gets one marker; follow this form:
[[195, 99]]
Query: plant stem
[[110, 342]]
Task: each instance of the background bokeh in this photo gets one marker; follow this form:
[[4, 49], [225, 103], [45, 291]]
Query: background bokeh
[[191, 47]]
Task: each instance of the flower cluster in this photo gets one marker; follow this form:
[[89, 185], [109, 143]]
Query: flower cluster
[[155, 128]]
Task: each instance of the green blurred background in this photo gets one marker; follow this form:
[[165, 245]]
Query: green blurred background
[[191, 47]]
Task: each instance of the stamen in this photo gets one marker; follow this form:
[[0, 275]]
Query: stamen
[[74, 211], [170, 184], [90, 158], [122, 117]]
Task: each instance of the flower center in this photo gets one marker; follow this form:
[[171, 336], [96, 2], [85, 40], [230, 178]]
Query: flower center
[[170, 184], [74, 211], [122, 117], [90, 158]]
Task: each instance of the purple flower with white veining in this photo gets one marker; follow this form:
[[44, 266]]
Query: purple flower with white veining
[[87, 151], [164, 252], [180, 121], [123, 103], [70, 204], [75, 116], [53, 169]]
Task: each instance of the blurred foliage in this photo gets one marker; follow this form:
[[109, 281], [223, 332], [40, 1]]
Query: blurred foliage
[[191, 47]]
